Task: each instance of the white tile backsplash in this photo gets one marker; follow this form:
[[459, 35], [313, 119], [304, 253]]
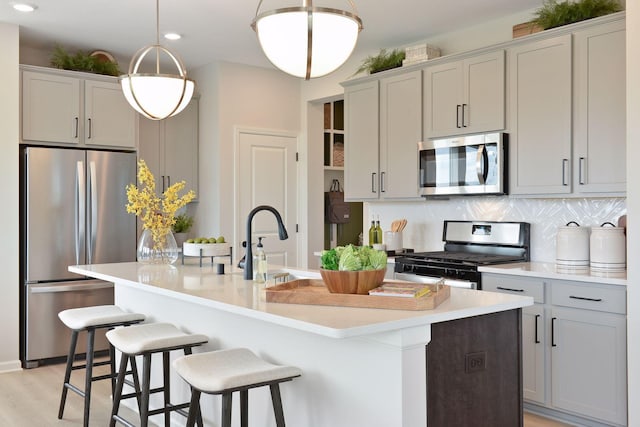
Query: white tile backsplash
[[425, 219]]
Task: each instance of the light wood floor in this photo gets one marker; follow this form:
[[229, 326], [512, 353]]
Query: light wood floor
[[30, 398]]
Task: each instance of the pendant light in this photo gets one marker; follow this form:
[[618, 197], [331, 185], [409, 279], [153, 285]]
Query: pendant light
[[155, 95], [307, 41]]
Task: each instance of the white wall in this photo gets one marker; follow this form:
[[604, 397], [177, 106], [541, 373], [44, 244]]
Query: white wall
[[232, 96], [633, 202], [9, 137]]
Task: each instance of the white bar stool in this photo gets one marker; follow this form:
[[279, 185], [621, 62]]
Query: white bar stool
[[225, 371], [145, 340], [89, 319]]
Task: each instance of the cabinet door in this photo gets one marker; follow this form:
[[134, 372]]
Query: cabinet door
[[483, 104], [50, 108], [109, 119], [149, 149], [443, 100], [588, 363], [181, 147], [540, 117], [361, 145], [599, 109], [400, 131], [533, 349]]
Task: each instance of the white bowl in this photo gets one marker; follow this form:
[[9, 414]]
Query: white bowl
[[206, 249]]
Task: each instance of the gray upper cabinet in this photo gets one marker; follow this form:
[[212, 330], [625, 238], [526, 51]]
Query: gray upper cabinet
[[362, 137], [540, 117], [70, 108], [599, 115], [170, 148], [567, 123], [465, 96], [383, 124]]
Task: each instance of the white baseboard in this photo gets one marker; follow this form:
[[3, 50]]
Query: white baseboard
[[11, 366]]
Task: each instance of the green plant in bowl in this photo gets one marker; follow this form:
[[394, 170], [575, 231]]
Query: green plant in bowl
[[83, 61], [554, 14]]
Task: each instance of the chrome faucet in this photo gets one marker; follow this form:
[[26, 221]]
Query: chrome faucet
[[282, 233]]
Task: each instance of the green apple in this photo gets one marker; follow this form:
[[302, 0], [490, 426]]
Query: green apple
[[191, 240], [220, 239], [212, 240]]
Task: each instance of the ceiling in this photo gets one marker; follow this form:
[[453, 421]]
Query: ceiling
[[219, 30]]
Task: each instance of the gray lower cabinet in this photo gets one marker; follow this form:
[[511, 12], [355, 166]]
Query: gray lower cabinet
[[574, 347]]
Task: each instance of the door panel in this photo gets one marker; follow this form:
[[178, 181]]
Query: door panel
[[268, 176]]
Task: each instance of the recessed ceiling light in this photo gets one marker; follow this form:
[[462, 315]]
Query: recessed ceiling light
[[172, 36], [23, 7]]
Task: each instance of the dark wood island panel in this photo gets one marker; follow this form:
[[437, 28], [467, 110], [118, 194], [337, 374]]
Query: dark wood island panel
[[474, 372]]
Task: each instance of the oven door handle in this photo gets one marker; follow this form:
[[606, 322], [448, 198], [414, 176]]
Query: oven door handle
[[418, 278]]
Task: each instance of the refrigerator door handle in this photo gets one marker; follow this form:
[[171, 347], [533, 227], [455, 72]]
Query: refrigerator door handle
[[71, 288], [93, 211], [80, 208]]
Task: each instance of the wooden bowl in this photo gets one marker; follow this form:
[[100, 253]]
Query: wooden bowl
[[352, 282]]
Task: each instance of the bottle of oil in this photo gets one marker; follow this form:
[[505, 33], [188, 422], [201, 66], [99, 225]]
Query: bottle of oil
[[378, 231], [372, 234]]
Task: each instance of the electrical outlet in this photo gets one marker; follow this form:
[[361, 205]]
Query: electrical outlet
[[475, 362]]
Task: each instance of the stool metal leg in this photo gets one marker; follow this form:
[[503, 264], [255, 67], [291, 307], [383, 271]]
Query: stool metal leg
[[167, 388], [146, 389], [277, 404], [226, 409], [194, 408], [88, 375], [117, 395], [67, 373], [244, 408]]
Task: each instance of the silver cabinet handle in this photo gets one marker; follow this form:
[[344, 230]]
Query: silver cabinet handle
[[373, 182], [79, 217], [565, 168], [90, 128], [93, 194], [537, 339], [75, 127], [382, 174], [581, 165], [509, 289], [458, 116], [553, 332], [464, 106], [586, 299]]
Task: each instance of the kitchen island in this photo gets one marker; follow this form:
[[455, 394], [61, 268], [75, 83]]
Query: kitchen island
[[361, 367]]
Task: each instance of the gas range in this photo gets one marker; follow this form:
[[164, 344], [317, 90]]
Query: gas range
[[468, 245]]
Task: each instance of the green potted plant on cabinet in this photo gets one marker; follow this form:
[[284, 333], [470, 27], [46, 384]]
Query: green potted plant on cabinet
[[554, 14]]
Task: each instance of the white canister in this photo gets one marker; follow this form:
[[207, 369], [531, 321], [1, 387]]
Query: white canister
[[393, 240], [572, 246], [608, 248]]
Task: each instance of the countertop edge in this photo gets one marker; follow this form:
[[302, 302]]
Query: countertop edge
[[550, 271]]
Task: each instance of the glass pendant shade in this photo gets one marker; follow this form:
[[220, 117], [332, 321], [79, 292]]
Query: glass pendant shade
[[307, 41], [157, 95]]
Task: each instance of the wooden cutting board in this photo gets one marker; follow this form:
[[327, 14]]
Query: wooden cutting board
[[314, 292]]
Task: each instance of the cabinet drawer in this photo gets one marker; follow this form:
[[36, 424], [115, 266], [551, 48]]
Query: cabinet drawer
[[612, 299], [516, 285]]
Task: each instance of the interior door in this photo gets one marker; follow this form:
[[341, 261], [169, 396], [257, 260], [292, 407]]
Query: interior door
[[267, 175]]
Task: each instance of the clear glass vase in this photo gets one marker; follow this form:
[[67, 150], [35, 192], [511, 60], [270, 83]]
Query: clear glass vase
[[163, 252]]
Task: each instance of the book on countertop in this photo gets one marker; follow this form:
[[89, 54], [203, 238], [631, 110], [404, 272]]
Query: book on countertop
[[402, 289]]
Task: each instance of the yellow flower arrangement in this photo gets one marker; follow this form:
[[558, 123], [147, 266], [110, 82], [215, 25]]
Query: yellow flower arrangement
[[157, 213]]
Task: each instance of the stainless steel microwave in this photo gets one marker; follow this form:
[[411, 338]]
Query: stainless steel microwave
[[466, 165]]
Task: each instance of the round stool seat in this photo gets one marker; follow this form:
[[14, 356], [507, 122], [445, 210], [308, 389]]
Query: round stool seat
[[152, 337], [216, 371], [85, 317]]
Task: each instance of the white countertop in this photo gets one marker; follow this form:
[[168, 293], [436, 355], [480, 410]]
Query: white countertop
[[231, 293], [552, 271]]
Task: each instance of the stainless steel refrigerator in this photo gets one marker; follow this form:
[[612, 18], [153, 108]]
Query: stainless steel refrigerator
[[72, 212]]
